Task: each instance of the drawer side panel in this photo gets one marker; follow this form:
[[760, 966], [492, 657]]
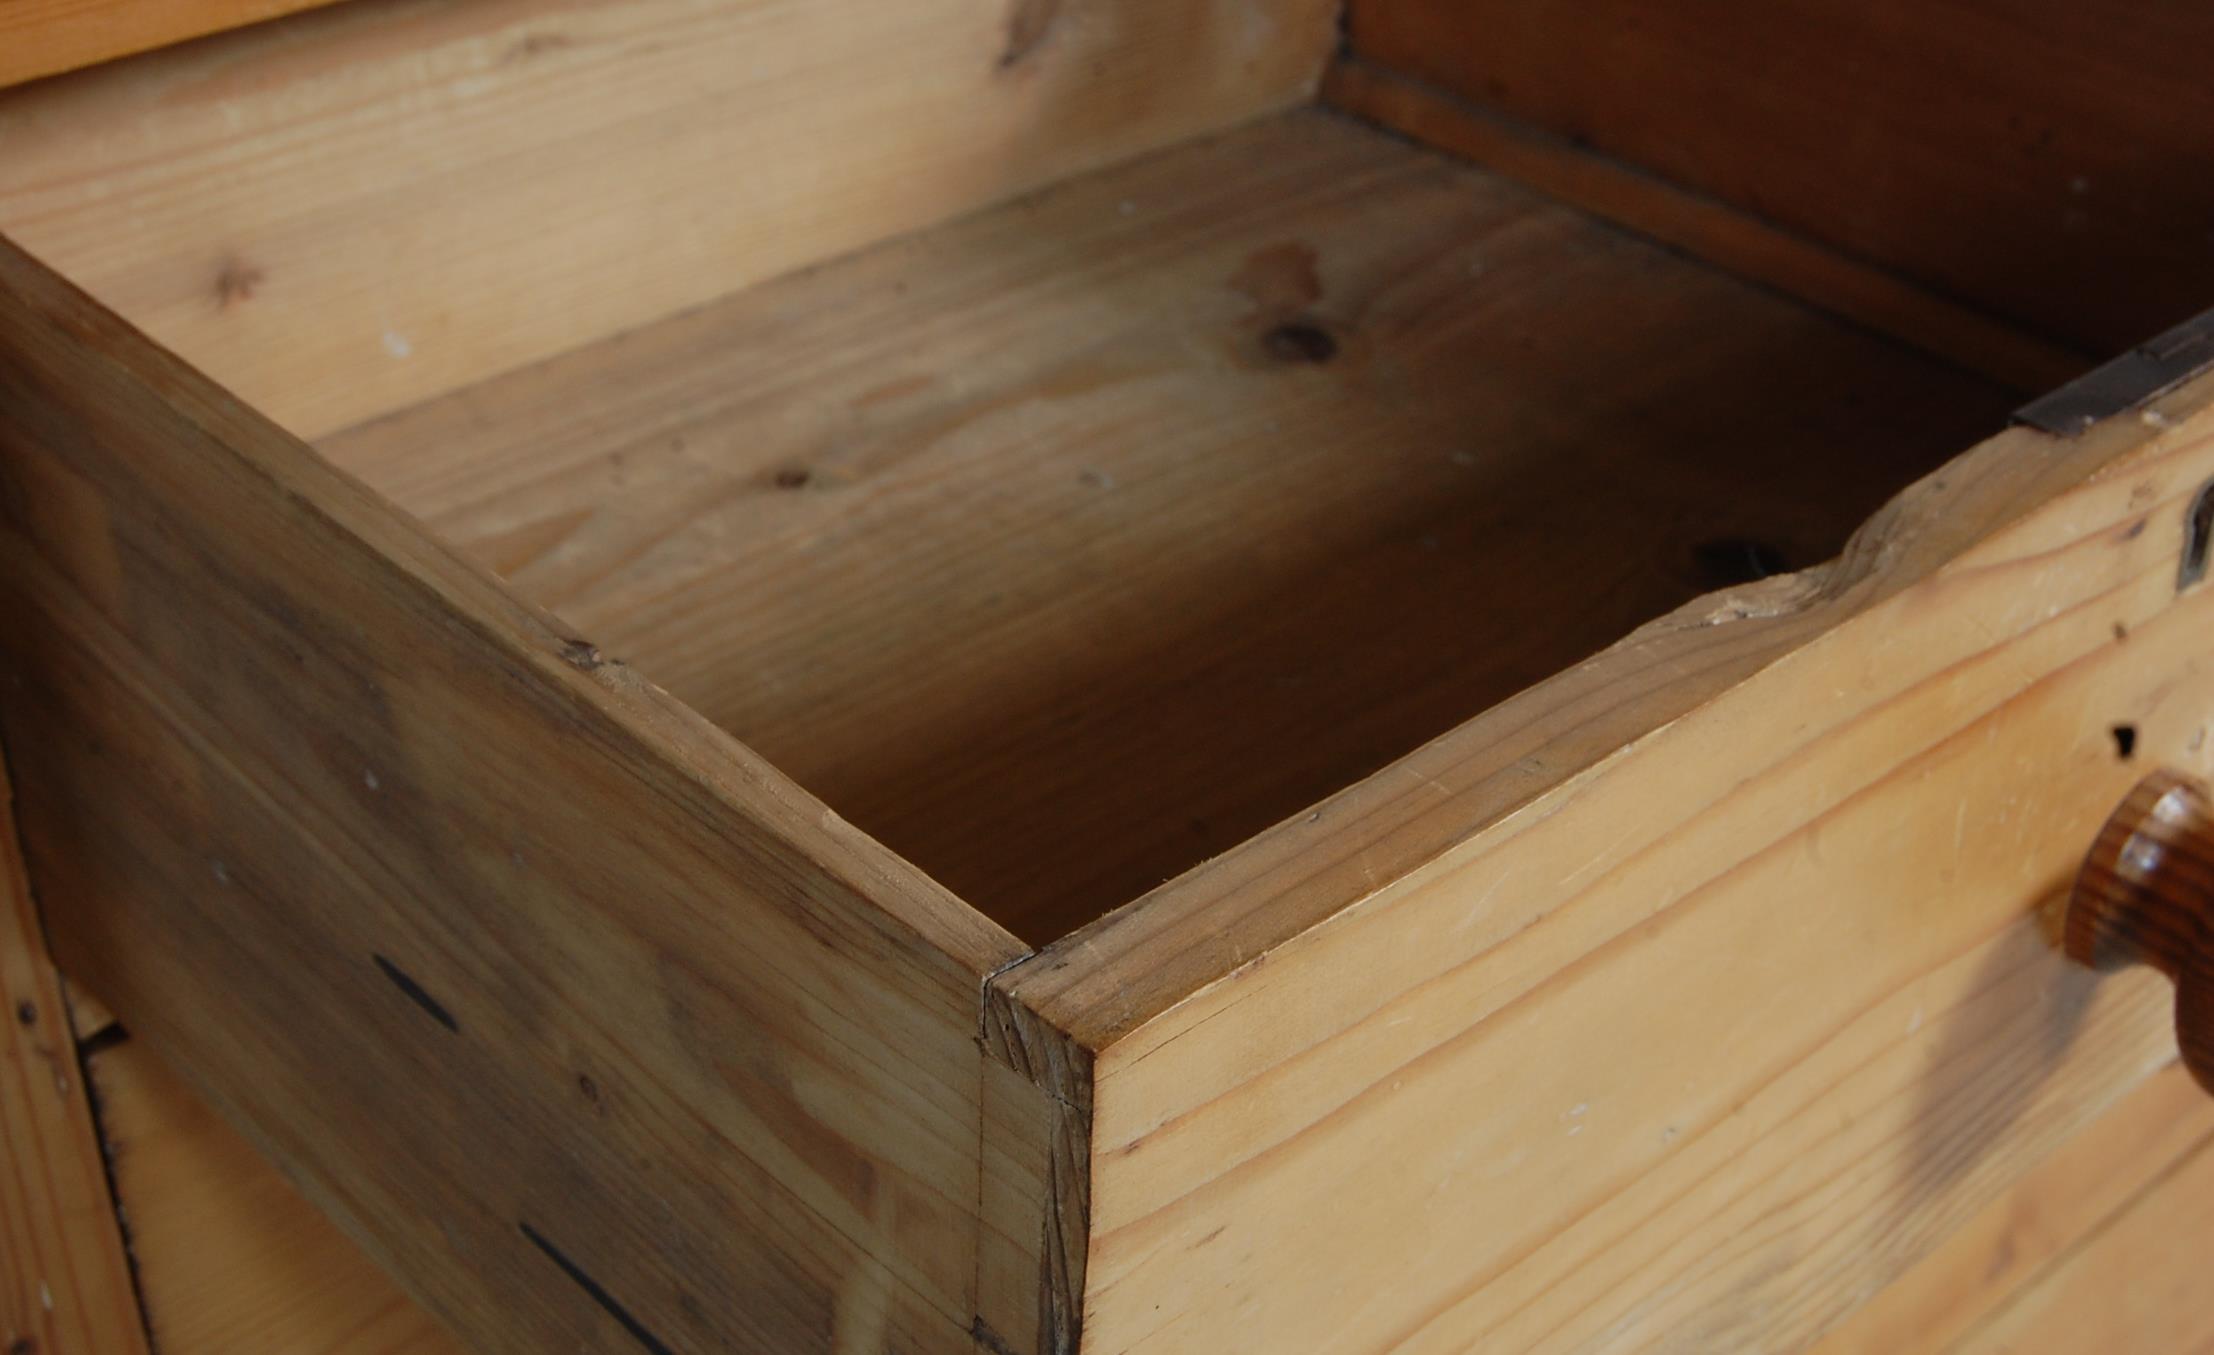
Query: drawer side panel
[[583, 1020]]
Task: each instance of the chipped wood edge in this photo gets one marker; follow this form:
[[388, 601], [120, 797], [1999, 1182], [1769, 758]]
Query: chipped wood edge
[[1114, 976]]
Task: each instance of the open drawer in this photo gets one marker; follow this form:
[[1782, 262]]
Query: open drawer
[[766, 678]]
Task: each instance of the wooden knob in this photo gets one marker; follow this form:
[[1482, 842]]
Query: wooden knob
[[2145, 895]]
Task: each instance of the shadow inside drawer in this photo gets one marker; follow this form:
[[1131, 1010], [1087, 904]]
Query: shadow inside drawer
[[1070, 544]]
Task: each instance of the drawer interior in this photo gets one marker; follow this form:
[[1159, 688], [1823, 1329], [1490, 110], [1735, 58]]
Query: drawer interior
[[1071, 463], [1068, 544], [1069, 437]]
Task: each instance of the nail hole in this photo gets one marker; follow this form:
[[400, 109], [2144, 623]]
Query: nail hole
[[793, 477], [1300, 341], [2125, 742], [1731, 560], [2198, 533], [406, 983], [26, 1014]]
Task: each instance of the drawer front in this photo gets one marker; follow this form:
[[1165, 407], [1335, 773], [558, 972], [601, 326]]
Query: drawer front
[[1693, 1042], [584, 1021]]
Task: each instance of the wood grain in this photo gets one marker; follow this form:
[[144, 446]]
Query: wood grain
[[44, 37], [232, 1259], [2039, 159], [2057, 1208], [1040, 548], [358, 839], [2137, 1284], [1702, 226], [65, 1283], [1848, 1035], [348, 211]]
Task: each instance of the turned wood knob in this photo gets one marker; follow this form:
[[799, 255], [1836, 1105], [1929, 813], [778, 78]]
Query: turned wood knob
[[2145, 895]]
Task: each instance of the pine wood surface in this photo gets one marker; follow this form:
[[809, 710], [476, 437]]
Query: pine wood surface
[[1848, 1033], [345, 212], [1193, 490], [2040, 160], [282, 737], [1053, 550]]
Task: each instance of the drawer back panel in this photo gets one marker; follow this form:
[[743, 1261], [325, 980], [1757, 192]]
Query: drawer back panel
[[584, 1020], [345, 212], [2045, 160]]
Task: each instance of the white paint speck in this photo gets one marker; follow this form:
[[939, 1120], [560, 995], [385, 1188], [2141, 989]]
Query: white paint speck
[[45, 1297], [222, 872], [397, 345], [369, 779], [1914, 1022], [1579, 1108], [1574, 1130]]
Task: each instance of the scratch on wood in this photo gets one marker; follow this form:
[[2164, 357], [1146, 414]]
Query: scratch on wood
[[596, 1293], [416, 993]]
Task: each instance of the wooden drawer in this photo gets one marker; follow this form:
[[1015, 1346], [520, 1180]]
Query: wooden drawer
[[929, 677]]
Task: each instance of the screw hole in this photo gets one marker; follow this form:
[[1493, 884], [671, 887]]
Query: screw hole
[[2125, 741], [2198, 535]]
